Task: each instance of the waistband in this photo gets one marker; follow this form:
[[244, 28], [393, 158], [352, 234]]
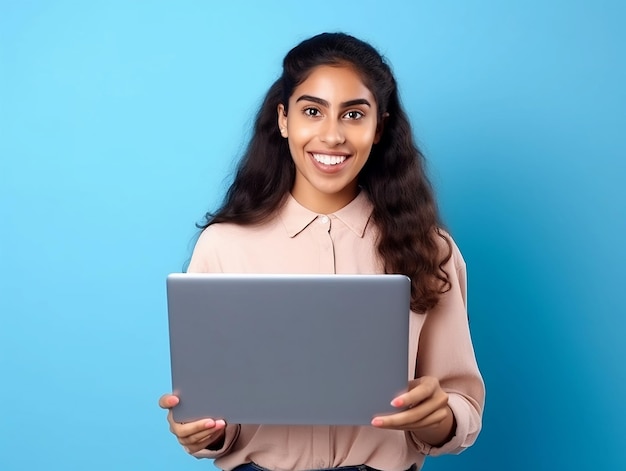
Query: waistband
[[361, 467]]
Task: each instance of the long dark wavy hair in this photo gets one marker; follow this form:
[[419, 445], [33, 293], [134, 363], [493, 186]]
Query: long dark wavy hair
[[405, 211]]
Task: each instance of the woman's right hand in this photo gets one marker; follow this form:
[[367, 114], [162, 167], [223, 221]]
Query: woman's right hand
[[193, 436]]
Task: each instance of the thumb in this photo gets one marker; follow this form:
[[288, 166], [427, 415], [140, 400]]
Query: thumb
[[167, 401]]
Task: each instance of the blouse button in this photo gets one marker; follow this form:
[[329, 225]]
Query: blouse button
[[324, 219]]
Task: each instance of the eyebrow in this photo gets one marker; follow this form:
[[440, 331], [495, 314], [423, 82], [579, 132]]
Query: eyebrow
[[345, 104]]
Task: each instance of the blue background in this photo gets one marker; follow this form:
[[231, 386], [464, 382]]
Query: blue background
[[120, 122]]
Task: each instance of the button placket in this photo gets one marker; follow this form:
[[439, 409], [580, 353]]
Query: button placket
[[327, 249]]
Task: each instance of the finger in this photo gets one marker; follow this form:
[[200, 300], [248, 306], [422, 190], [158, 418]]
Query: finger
[[201, 438], [414, 416], [419, 390], [167, 401], [191, 428], [196, 438], [201, 445], [411, 419]]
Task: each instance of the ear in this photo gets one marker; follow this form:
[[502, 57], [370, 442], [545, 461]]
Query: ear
[[282, 120], [380, 127]]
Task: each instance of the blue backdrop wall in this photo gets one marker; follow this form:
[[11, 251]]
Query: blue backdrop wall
[[120, 122]]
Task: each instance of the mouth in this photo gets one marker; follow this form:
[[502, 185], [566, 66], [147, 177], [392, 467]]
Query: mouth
[[329, 160]]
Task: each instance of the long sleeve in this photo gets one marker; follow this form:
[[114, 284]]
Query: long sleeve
[[206, 260], [445, 351]]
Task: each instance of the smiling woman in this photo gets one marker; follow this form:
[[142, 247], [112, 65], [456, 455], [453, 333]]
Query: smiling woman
[[332, 144], [331, 129]]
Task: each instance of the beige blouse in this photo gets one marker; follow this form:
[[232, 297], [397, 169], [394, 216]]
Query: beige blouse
[[301, 241]]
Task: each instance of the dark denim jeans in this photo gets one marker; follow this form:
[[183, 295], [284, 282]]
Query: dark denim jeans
[[361, 467]]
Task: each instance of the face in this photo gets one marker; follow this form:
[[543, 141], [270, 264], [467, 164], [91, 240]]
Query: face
[[331, 127]]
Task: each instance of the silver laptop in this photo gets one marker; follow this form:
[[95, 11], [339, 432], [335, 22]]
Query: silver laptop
[[287, 349]]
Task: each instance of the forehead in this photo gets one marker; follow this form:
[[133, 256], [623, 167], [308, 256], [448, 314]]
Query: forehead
[[341, 83]]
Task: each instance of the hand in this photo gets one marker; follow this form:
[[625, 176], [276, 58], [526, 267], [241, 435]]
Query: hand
[[193, 436], [426, 412]]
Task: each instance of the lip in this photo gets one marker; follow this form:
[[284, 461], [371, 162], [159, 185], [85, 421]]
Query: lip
[[329, 169], [330, 152]]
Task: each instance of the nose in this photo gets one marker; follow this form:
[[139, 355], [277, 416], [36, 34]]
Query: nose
[[332, 133]]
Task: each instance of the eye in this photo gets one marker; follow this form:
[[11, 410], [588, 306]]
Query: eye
[[354, 114], [312, 112]]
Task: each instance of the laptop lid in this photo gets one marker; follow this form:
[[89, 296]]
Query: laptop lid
[[287, 349]]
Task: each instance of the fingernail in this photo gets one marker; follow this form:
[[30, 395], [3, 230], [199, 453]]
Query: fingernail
[[377, 422], [186, 449], [209, 424], [397, 402], [220, 423]]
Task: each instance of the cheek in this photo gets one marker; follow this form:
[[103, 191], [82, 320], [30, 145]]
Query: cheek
[[364, 138], [296, 144], [293, 149], [299, 135]]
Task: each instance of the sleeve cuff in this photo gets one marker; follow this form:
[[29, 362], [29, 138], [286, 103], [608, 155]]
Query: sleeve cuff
[[467, 429], [230, 437]]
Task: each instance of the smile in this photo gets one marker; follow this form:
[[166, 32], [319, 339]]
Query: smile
[[329, 159]]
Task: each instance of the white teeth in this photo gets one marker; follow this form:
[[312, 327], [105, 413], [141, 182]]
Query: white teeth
[[329, 159]]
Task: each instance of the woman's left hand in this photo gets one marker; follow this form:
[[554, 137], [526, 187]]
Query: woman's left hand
[[425, 407]]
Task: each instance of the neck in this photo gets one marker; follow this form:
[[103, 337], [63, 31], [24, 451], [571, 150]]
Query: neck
[[323, 203]]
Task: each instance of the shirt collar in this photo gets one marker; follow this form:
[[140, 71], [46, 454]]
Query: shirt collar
[[355, 215]]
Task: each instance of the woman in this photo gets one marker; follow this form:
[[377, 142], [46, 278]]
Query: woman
[[332, 182]]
